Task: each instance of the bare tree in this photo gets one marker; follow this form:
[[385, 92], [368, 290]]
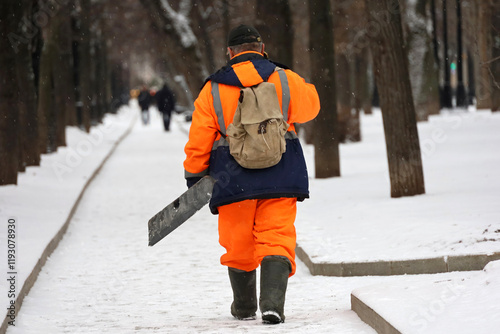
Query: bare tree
[[326, 141], [424, 72], [483, 75], [10, 16], [461, 99], [61, 84], [274, 23], [28, 122], [345, 56], [183, 48], [46, 102], [63, 67], [495, 61], [392, 78], [360, 51], [99, 74], [348, 117], [202, 16], [447, 97], [225, 17], [84, 64], [56, 81], [301, 59]]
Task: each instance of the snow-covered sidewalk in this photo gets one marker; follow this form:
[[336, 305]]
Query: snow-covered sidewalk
[[102, 278], [40, 207]]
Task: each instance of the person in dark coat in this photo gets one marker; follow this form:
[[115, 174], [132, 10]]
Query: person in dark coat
[[144, 100], [166, 103]]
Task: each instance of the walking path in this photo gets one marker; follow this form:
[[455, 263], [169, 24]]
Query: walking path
[[102, 278]]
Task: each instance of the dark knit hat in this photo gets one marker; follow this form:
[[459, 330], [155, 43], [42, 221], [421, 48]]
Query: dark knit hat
[[243, 34]]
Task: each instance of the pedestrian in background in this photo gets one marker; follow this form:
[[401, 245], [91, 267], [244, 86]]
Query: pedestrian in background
[[166, 104], [144, 100]]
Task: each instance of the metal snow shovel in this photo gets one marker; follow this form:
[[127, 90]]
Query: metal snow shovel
[[180, 210]]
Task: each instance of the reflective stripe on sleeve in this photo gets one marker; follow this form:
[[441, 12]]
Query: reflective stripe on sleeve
[[285, 93], [200, 174], [218, 107]]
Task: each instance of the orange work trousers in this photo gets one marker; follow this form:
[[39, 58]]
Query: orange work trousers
[[252, 229]]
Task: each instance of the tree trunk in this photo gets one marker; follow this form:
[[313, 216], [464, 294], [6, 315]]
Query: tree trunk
[[435, 45], [352, 54], [495, 61], [391, 74], [424, 71], [28, 134], [348, 117], [461, 93], [363, 98], [108, 96], [97, 82], [226, 18], [63, 70], [346, 49], [60, 74], [300, 22], [326, 140], [46, 103], [447, 94], [10, 16], [483, 76], [201, 17], [470, 44], [84, 68], [429, 92], [51, 112], [301, 59], [102, 78], [274, 23], [343, 91], [471, 76]]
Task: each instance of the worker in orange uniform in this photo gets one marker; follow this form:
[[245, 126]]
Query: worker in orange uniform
[[256, 207]]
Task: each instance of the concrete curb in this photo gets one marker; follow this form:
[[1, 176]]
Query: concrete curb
[[405, 267], [387, 268], [31, 279], [372, 318]]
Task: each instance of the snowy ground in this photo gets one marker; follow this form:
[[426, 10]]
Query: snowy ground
[[467, 303], [353, 218], [44, 197], [103, 278]]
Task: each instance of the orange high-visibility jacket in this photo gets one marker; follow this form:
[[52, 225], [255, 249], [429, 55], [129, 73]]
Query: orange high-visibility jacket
[[207, 151]]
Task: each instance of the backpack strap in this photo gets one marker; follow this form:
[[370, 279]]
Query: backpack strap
[[218, 108], [285, 98]]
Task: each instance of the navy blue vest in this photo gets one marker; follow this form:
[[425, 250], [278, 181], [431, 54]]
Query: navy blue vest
[[235, 183]]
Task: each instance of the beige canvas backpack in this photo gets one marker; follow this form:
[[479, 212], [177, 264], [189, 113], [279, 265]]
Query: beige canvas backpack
[[257, 135]]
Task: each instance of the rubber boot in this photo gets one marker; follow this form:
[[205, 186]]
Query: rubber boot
[[244, 293], [273, 283]]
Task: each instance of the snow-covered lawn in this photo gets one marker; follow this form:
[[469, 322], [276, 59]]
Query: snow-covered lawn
[[467, 303], [44, 198], [353, 218]]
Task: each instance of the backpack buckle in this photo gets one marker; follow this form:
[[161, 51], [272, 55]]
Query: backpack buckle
[[262, 128]]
